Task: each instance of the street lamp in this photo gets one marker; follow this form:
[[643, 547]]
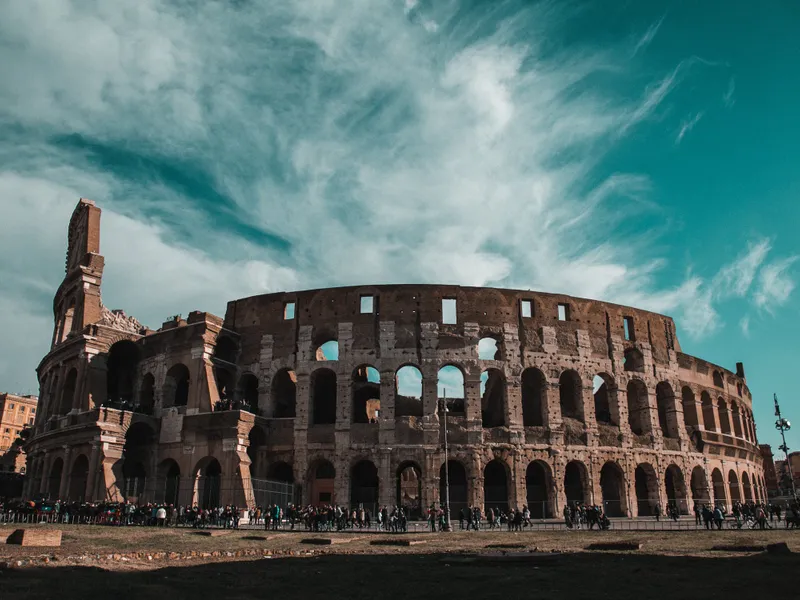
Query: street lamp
[[783, 426], [446, 466]]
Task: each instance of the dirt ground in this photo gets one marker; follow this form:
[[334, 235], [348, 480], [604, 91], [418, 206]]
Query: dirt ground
[[149, 563]]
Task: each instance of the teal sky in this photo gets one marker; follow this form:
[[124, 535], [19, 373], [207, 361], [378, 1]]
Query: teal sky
[[637, 152]]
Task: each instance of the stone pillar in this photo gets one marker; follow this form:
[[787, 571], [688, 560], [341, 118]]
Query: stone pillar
[[475, 479], [513, 409], [302, 402], [341, 485], [552, 413], [386, 492], [47, 461], [93, 473], [63, 487], [559, 466], [266, 405], [518, 484], [472, 400], [386, 420]]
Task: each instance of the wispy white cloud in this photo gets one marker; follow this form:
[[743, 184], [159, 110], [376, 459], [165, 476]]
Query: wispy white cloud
[[775, 284], [744, 325], [687, 125], [736, 278], [728, 98], [647, 37]]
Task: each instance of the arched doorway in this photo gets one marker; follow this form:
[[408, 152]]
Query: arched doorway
[[699, 486], [322, 475], [676, 489], [366, 394], [533, 385], [284, 394], [733, 485], [408, 392], [719, 488], [139, 444], [257, 439], [612, 484], [169, 482], [54, 479], [123, 360], [493, 398], [323, 397], [748, 490], [68, 392], [690, 419], [495, 486], [458, 486], [134, 480], [364, 486], [576, 483], [147, 395], [208, 474], [665, 403], [605, 409], [248, 392], [707, 407], [570, 389], [176, 386], [409, 489], [646, 483], [638, 407], [78, 478], [538, 489]]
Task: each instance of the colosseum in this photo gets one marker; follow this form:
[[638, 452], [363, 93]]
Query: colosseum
[[346, 396]]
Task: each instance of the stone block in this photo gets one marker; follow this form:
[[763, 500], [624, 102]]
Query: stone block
[[213, 532], [397, 542], [35, 537], [619, 546]]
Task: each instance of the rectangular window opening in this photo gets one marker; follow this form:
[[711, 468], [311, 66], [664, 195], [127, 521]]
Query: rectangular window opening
[[449, 311], [367, 305], [627, 323], [288, 311], [563, 312], [526, 309]]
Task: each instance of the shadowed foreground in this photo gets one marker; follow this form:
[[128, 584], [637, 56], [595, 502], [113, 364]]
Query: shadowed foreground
[[419, 576]]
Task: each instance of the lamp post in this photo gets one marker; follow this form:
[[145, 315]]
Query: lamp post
[[783, 426], [446, 467]]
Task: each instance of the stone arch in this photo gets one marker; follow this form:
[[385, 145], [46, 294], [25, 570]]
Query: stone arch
[[724, 420], [699, 485], [493, 398], [226, 350], [327, 351], [690, 417], [168, 485], [747, 489], [612, 484], [248, 390], [489, 348], [496, 485], [719, 488], [409, 488], [408, 392], [68, 392], [79, 476], [459, 490], [707, 406], [176, 386], [675, 487], [323, 397], [321, 482], [534, 384], [633, 360], [733, 486], [366, 394], [539, 489], [646, 484], [121, 371], [638, 407], [576, 482], [736, 420], [147, 394], [450, 384], [140, 442], [667, 411], [718, 381], [570, 391], [54, 478], [207, 482], [257, 442], [606, 409], [364, 486], [284, 394]]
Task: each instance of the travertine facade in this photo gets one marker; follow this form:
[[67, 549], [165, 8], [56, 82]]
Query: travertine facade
[[568, 400]]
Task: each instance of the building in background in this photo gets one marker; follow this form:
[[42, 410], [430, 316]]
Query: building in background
[[770, 472], [16, 414]]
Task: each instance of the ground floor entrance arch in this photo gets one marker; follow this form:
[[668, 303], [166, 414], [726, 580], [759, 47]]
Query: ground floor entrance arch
[[612, 484]]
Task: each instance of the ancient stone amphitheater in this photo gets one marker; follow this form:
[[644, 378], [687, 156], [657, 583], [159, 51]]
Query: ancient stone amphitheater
[[339, 395]]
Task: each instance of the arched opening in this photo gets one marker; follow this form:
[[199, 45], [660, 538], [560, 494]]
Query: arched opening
[[123, 360], [248, 386], [450, 385], [68, 392], [78, 479], [495, 486], [638, 407], [665, 401], [724, 420], [719, 488], [366, 394], [689, 408], [226, 350], [748, 490], [224, 379], [364, 486], [323, 397], [646, 483], [281, 471], [54, 479], [576, 483], [675, 487], [327, 351], [533, 392], [538, 489], [604, 388], [736, 418], [284, 394], [322, 476], [612, 484], [408, 392], [147, 395], [570, 391], [633, 360], [409, 489], [208, 482], [257, 442], [169, 482], [493, 398], [707, 407], [139, 443], [176, 386], [733, 486], [457, 476], [488, 349], [699, 486], [718, 379]]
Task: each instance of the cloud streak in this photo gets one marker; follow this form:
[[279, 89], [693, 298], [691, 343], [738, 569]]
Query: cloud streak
[[687, 125]]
